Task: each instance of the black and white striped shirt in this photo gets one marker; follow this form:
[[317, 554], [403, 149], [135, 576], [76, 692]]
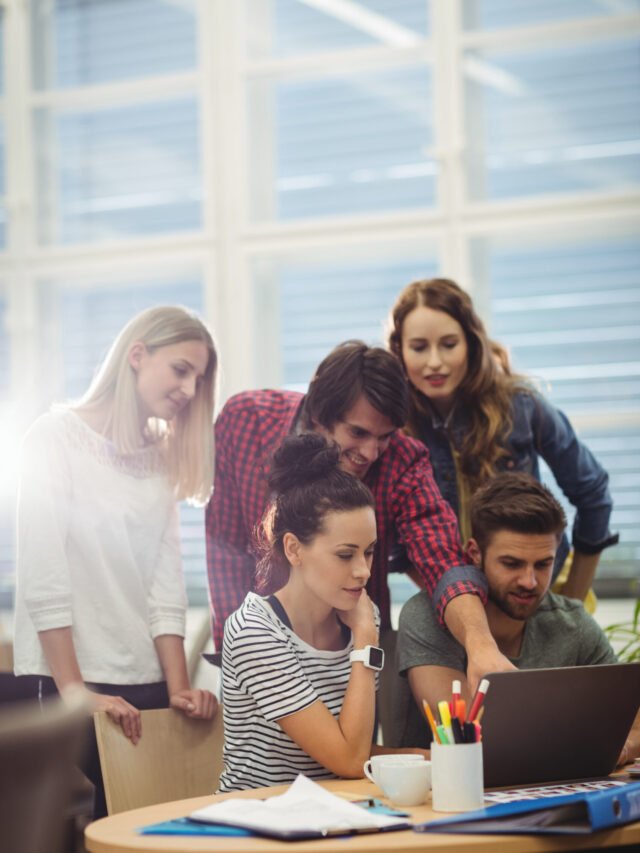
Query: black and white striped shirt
[[269, 673]]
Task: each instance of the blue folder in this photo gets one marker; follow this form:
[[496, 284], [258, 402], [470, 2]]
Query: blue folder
[[579, 813], [185, 826]]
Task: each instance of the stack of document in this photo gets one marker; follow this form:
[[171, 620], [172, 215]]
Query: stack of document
[[305, 810]]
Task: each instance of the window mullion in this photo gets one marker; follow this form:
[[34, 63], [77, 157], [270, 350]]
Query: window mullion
[[561, 32], [449, 134], [18, 132], [227, 296]]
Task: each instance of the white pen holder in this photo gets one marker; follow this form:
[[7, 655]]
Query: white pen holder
[[457, 777]]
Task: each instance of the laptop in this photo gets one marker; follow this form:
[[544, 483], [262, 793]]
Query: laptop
[[557, 725]]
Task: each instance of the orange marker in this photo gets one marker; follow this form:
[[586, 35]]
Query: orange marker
[[432, 722], [461, 710], [456, 689]]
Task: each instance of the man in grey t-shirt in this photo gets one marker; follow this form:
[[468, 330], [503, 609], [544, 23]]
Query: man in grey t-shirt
[[516, 525]]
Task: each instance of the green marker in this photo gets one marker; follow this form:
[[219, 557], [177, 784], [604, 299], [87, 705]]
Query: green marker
[[442, 732]]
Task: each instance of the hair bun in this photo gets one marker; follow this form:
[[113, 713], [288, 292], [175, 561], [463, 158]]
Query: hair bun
[[301, 459]]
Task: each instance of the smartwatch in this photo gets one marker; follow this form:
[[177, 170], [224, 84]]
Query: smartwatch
[[371, 656]]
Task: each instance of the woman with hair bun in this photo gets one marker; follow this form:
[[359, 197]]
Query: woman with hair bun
[[477, 418], [100, 597], [299, 667]]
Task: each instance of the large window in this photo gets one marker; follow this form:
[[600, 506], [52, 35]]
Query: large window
[[568, 308], [314, 302], [348, 143], [286, 166]]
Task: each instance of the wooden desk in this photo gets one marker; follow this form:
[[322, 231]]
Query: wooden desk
[[117, 834]]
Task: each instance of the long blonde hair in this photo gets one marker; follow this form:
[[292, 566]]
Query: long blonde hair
[[188, 438], [488, 387]]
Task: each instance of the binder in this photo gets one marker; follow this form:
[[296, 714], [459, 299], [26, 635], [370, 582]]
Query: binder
[[571, 814]]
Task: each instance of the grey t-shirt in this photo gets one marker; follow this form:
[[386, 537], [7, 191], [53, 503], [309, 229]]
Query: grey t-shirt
[[560, 633]]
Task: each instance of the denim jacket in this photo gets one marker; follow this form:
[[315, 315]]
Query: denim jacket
[[539, 429]]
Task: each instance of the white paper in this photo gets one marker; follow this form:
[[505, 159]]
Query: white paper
[[304, 807]]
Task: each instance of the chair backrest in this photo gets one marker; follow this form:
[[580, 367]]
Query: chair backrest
[[176, 758], [6, 656], [38, 751]]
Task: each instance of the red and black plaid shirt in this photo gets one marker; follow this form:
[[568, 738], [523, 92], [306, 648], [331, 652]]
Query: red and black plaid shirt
[[409, 508]]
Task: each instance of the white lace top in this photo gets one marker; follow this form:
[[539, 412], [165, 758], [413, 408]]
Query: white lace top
[[98, 550]]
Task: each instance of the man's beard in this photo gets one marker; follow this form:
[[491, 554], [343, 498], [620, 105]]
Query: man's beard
[[520, 612]]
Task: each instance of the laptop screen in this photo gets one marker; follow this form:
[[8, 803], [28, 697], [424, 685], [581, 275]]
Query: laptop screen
[[548, 725]]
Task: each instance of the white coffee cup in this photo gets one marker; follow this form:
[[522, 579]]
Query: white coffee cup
[[405, 783], [372, 765]]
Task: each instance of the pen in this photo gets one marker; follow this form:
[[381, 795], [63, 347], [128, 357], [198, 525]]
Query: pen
[[445, 718], [430, 718], [456, 728], [461, 710], [478, 699], [443, 735], [470, 733], [456, 690]]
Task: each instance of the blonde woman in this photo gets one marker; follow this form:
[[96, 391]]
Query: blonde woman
[[100, 595]]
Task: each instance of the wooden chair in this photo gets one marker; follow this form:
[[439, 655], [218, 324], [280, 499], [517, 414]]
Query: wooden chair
[[38, 750], [176, 758], [6, 656]]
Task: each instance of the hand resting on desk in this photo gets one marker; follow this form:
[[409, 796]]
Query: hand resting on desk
[[631, 748]]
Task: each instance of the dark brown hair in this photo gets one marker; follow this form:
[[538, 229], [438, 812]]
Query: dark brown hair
[[517, 502], [487, 388], [306, 482], [351, 370]]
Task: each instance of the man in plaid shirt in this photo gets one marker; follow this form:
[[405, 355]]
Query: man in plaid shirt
[[358, 398]]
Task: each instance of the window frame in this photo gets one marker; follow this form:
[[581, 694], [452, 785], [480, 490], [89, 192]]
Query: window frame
[[227, 245]]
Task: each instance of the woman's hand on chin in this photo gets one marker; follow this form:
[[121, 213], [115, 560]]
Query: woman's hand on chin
[[362, 622]]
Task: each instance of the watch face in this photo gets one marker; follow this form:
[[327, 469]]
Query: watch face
[[376, 657]]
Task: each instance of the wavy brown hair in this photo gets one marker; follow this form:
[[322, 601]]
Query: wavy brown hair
[[486, 390]]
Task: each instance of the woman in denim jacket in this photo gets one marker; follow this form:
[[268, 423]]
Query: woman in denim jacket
[[477, 418]]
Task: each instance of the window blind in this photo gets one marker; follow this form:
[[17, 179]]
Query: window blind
[[118, 172], [327, 303], [3, 187], [350, 143], [288, 28], [6, 496], [500, 14], [88, 42], [570, 315], [554, 120], [5, 362]]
